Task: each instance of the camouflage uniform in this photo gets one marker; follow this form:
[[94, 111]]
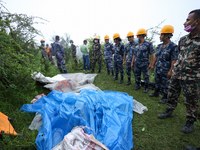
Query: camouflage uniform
[[73, 47], [141, 61], [118, 59], [108, 55], [97, 55], [129, 51], [60, 54], [186, 76], [165, 56], [44, 52]]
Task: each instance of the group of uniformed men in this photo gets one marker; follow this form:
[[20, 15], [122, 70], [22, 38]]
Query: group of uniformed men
[[176, 67], [136, 57]]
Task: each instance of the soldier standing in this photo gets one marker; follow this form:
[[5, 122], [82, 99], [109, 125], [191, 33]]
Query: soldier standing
[[60, 55], [118, 57], [165, 57], [42, 47], [108, 55], [96, 54], [73, 47], [186, 73], [128, 55], [140, 60]]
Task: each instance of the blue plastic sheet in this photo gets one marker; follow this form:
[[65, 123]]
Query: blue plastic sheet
[[108, 113]]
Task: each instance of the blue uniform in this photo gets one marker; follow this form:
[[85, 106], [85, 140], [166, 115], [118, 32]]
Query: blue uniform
[[129, 51], [108, 55], [165, 56], [60, 54], [141, 61], [118, 58]]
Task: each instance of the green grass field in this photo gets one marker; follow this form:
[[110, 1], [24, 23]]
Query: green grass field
[[149, 132]]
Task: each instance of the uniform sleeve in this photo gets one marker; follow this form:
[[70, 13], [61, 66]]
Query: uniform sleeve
[[122, 49], [111, 47], [179, 46], [93, 50], [174, 53], [100, 49], [135, 52], [54, 46], [151, 49], [157, 51], [62, 50], [74, 47], [125, 50]]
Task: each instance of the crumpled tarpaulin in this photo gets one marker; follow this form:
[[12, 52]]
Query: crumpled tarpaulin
[[5, 125], [70, 82], [108, 113]]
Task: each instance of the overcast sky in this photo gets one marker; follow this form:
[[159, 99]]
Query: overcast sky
[[83, 18]]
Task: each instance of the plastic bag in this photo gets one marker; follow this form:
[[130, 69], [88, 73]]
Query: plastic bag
[[37, 122]]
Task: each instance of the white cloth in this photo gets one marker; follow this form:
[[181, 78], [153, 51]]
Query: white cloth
[[78, 140], [54, 60]]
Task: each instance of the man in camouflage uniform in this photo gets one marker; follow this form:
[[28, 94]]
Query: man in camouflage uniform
[[60, 55], [96, 54], [118, 57], [44, 52], [186, 73], [140, 60], [108, 55], [73, 47], [128, 55], [165, 57]]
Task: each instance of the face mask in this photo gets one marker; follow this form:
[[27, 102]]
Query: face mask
[[71, 43], [189, 28], [95, 41], [43, 43]]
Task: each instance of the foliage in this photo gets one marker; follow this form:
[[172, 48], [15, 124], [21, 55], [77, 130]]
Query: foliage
[[153, 32]]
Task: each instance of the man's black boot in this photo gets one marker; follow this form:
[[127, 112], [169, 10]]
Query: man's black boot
[[166, 114], [65, 71], [146, 89], [116, 77], [137, 85], [163, 99], [129, 81], [155, 94], [99, 71], [112, 74], [188, 127], [191, 148], [108, 72], [92, 71], [61, 71], [121, 81]]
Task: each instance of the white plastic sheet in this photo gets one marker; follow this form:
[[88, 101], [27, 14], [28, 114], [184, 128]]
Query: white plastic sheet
[[138, 107], [74, 82], [78, 140], [70, 82]]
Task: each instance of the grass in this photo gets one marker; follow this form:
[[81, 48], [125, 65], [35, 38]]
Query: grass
[[149, 132]]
